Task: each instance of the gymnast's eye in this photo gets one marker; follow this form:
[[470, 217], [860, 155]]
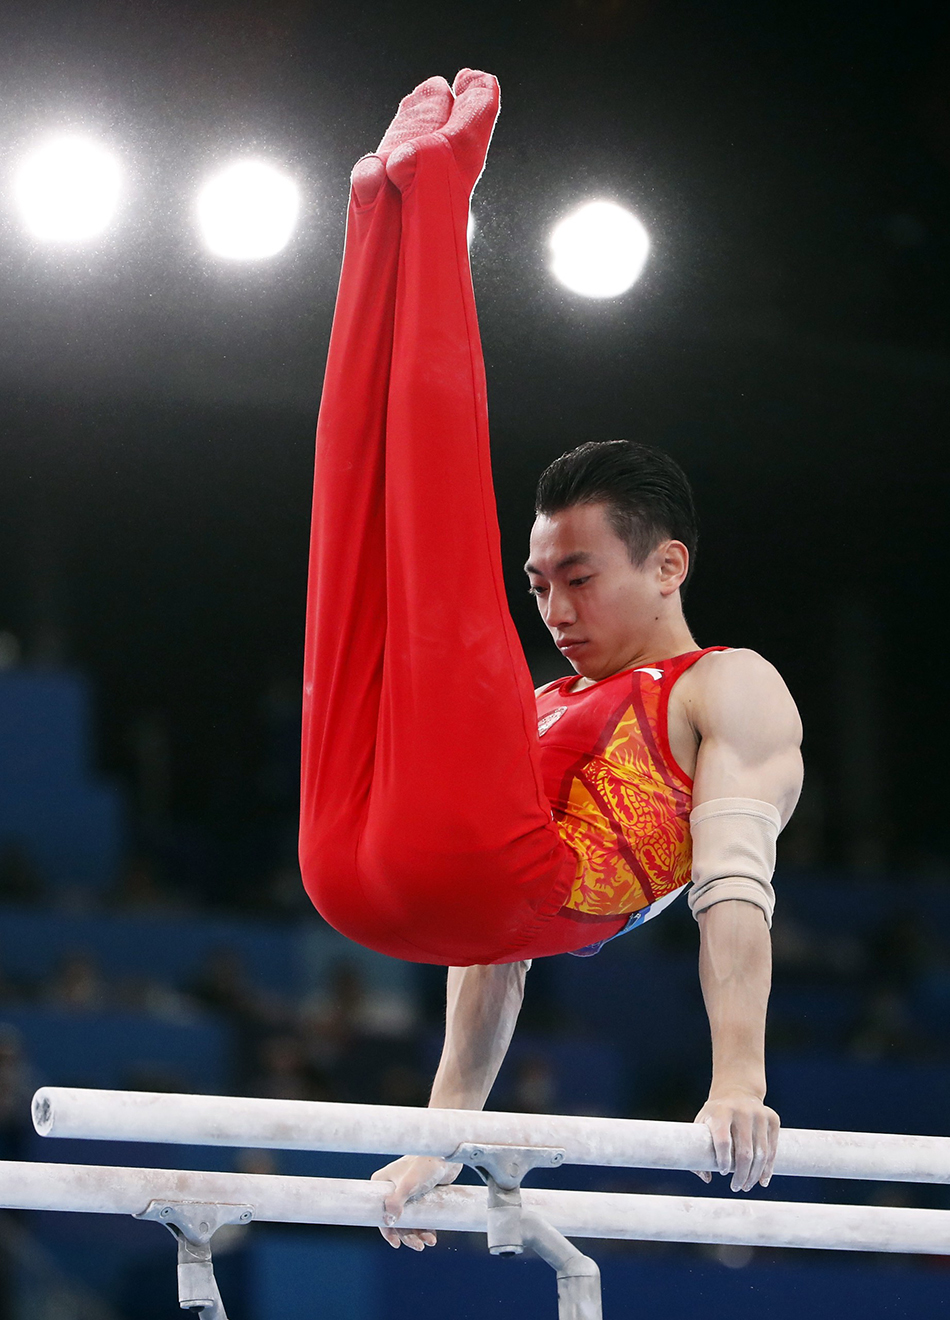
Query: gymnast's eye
[[536, 591], [578, 582]]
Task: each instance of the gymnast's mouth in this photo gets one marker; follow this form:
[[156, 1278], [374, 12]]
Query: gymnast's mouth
[[568, 644]]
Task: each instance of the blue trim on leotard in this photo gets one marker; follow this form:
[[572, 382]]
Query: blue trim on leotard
[[636, 919]]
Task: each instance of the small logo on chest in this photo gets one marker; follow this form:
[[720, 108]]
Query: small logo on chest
[[551, 718]]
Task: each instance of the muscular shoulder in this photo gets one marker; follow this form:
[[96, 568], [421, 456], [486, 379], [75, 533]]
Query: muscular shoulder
[[749, 731], [739, 692]]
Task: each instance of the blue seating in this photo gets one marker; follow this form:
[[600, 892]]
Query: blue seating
[[357, 1280], [645, 1001], [833, 905], [168, 949], [283, 958], [123, 1049], [585, 1076], [67, 822], [930, 1001], [852, 1095], [553, 1074], [814, 1017]]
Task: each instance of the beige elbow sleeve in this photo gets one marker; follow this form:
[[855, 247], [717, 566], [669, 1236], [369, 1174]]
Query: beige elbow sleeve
[[733, 853]]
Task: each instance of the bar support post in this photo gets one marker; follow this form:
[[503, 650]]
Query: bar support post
[[578, 1277], [510, 1228], [193, 1224]]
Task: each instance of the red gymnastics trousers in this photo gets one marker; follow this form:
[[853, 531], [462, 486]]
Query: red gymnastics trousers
[[426, 833]]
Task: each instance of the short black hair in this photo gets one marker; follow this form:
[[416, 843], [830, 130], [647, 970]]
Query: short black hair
[[647, 494]]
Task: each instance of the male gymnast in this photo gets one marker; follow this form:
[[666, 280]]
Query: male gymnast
[[449, 814]]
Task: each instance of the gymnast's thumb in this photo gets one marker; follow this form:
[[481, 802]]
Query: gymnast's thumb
[[394, 1198], [394, 1203]]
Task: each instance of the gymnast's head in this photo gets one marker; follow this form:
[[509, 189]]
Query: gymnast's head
[[612, 547]]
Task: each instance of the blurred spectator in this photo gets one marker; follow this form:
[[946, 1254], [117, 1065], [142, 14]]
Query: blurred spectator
[[793, 946], [283, 891], [140, 890], [899, 951], [282, 1070], [345, 1009], [286, 1074], [362, 1041], [20, 879], [142, 994], [256, 1161], [8, 990], [403, 1084], [350, 1008], [224, 987], [535, 1086], [10, 650], [17, 1085], [154, 1077], [803, 839], [802, 954], [78, 984], [887, 1030]]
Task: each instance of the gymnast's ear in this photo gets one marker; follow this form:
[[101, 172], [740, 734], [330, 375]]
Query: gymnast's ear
[[672, 561]]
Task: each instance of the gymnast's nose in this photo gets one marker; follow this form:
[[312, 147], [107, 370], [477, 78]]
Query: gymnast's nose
[[559, 612]]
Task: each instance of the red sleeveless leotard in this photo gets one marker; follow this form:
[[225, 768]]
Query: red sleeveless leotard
[[620, 800]]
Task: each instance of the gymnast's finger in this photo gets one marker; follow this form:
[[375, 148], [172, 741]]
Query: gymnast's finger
[[410, 1177], [702, 1174], [392, 1236], [775, 1127], [743, 1143], [417, 1239], [760, 1150], [393, 1201], [722, 1143]]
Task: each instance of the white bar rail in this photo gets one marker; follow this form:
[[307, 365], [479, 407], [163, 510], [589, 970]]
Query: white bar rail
[[210, 1120], [104, 1190]]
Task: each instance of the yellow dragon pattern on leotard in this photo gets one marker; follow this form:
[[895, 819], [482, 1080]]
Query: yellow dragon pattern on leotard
[[623, 809]]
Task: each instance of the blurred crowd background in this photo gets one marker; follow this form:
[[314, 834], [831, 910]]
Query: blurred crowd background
[[126, 961]]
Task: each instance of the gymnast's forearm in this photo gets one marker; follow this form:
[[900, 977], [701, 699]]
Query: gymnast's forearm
[[735, 969], [482, 1007]]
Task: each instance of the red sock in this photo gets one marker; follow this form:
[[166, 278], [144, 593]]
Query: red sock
[[424, 110]]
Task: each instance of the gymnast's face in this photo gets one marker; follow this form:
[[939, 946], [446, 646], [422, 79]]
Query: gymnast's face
[[602, 610]]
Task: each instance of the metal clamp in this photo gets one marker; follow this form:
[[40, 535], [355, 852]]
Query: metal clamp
[[507, 1165], [502, 1168], [511, 1229], [193, 1224]]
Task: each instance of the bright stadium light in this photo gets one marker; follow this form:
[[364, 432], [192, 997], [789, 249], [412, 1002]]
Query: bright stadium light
[[68, 189], [599, 250], [248, 211]]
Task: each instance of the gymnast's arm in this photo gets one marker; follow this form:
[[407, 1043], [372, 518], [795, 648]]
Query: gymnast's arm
[[482, 1007], [749, 753]]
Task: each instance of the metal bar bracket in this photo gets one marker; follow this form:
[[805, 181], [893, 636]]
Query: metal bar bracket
[[502, 1168], [193, 1224], [511, 1229]]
